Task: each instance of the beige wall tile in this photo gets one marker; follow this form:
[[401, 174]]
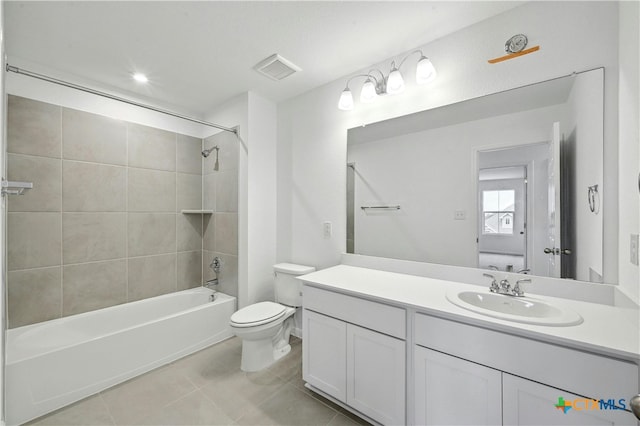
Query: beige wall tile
[[151, 276], [151, 148], [189, 232], [88, 187], [151, 191], [227, 155], [46, 176], [189, 269], [93, 137], [189, 157], [228, 276], [209, 191], [226, 234], [34, 240], [91, 286], [33, 127], [189, 192], [93, 236], [34, 295], [227, 191], [209, 239], [151, 233]]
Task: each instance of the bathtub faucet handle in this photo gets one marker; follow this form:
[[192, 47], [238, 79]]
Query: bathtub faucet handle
[[216, 264]]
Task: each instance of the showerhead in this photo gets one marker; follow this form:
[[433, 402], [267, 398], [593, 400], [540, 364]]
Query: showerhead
[[207, 152]]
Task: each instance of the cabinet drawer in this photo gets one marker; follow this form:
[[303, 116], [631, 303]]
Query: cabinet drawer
[[571, 370], [375, 316]]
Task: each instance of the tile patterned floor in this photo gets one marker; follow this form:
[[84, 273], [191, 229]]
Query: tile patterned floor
[[208, 388]]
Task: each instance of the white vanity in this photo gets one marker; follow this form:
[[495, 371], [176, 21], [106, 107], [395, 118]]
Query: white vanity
[[394, 349]]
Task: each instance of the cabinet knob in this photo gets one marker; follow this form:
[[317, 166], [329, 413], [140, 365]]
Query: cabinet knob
[[635, 406]]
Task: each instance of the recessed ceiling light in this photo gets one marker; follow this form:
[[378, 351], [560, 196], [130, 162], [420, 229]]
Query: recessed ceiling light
[[140, 78]]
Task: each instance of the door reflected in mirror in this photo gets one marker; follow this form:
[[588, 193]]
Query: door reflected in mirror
[[498, 182]]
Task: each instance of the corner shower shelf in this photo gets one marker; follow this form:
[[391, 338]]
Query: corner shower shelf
[[196, 211]]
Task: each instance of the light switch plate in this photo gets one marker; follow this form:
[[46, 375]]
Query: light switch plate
[[460, 215], [326, 229]]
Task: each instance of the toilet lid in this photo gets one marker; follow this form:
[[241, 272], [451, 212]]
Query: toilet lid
[[258, 313]]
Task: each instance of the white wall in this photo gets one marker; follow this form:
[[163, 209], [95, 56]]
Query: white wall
[[586, 130], [256, 120], [629, 123], [312, 132]]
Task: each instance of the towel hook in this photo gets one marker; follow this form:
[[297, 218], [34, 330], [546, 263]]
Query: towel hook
[[593, 196]]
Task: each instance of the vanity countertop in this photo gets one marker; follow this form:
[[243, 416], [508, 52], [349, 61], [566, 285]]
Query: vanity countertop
[[606, 330]]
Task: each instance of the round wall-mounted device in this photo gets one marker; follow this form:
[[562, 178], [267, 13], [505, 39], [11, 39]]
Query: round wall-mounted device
[[516, 43]]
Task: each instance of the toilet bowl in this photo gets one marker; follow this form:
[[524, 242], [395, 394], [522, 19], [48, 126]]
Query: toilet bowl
[[265, 327]]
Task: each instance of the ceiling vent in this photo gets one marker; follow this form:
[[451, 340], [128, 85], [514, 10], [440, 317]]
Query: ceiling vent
[[276, 67]]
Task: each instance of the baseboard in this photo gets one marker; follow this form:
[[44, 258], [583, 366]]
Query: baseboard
[[296, 332]]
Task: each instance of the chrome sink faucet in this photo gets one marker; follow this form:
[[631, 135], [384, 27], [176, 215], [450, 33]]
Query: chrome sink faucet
[[504, 287]]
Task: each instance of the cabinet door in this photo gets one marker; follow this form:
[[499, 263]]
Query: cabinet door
[[324, 354], [530, 403], [376, 375], [453, 391]]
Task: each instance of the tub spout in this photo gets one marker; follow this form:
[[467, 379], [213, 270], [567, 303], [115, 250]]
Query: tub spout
[[211, 283]]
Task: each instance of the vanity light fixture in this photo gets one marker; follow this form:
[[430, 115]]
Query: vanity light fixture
[[391, 84]]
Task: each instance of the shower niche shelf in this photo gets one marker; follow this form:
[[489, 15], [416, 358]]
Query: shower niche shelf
[[196, 211]]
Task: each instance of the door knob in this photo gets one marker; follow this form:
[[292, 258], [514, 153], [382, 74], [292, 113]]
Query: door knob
[[557, 251]]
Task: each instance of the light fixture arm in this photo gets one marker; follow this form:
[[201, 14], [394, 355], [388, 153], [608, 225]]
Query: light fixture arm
[[381, 84], [377, 83], [407, 57], [356, 76]]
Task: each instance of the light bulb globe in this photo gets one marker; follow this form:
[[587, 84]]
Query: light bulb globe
[[395, 82], [368, 93], [346, 100], [425, 71]]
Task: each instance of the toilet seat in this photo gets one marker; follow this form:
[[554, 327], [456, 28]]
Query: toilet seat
[[257, 314]]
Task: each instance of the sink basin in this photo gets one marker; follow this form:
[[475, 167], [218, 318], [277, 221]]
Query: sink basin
[[527, 310]]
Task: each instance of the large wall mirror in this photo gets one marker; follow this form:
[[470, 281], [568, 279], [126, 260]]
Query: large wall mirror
[[510, 181]]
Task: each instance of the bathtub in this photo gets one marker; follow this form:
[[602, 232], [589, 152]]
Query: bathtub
[[55, 363]]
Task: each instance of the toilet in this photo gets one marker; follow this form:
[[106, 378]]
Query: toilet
[[265, 327]]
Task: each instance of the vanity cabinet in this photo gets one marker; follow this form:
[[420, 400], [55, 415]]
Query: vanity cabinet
[[526, 402], [465, 374], [453, 391], [392, 349], [355, 352], [325, 354]]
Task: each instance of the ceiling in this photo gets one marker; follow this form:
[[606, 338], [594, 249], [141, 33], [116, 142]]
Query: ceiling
[[199, 54]]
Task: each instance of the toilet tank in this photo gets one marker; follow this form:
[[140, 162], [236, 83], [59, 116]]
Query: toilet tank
[[288, 289]]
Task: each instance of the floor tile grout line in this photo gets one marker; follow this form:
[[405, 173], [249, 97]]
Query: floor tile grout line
[[104, 402]]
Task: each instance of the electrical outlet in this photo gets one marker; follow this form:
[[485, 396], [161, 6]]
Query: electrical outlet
[[633, 249], [459, 215], [326, 229]]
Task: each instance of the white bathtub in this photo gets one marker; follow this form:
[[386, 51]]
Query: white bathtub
[[55, 363]]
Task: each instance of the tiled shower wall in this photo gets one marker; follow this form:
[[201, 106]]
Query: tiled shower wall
[[102, 225], [221, 196]]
